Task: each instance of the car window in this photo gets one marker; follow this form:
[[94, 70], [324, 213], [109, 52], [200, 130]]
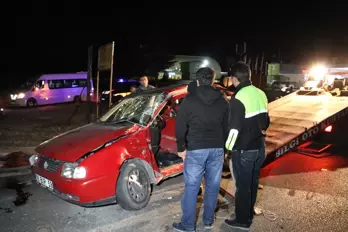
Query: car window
[[39, 84], [137, 109]]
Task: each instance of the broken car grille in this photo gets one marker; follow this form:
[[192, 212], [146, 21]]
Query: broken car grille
[[49, 164]]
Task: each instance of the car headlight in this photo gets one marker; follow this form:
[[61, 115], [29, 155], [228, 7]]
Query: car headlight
[[13, 96], [20, 95], [34, 159], [72, 170]]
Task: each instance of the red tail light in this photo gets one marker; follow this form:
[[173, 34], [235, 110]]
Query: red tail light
[[328, 129]]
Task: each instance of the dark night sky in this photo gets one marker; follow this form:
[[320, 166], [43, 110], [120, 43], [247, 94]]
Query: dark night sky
[[43, 44]]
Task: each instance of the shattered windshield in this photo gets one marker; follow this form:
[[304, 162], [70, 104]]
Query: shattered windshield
[[137, 109]]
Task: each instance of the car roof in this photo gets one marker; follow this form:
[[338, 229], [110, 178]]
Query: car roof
[[170, 89], [64, 76], [174, 89]]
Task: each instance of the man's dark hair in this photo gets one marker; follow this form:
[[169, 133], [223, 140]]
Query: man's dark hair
[[205, 76], [241, 71]]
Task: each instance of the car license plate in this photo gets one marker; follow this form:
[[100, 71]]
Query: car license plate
[[103, 99], [46, 183]]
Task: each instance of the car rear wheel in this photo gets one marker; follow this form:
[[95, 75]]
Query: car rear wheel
[[76, 99], [133, 188]]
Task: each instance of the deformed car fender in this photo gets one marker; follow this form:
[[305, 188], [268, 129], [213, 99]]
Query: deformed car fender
[[144, 164]]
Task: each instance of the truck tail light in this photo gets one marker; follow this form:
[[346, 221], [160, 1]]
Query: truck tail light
[[328, 129]]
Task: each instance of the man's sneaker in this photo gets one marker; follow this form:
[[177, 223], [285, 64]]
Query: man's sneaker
[[208, 226], [180, 228], [234, 224]]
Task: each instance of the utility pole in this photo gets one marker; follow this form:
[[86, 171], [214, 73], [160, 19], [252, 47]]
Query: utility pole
[[261, 68], [89, 83], [256, 64], [245, 52]]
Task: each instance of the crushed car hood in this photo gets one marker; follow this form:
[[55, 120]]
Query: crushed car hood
[[70, 146]]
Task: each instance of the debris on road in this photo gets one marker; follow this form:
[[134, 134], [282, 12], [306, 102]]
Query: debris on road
[[22, 197], [266, 213], [16, 159], [257, 210], [6, 210]]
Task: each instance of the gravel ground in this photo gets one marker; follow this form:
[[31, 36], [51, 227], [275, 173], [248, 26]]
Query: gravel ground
[[23, 127]]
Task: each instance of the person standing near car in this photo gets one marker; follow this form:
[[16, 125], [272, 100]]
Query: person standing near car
[[144, 84], [248, 122], [201, 130]]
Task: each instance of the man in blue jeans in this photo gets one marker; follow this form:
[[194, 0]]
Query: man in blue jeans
[[201, 130], [248, 122]]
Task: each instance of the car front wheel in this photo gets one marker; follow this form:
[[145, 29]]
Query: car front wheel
[[31, 102], [133, 188]]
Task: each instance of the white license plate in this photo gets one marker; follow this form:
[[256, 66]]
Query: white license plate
[[103, 99], [46, 183]]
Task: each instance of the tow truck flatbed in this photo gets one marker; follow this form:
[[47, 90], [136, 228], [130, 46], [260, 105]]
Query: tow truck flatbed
[[295, 119]]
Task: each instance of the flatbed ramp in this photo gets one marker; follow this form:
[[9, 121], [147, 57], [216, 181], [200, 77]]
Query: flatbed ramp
[[295, 119]]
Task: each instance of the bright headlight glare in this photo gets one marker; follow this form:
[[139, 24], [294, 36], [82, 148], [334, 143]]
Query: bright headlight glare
[[318, 72], [21, 95]]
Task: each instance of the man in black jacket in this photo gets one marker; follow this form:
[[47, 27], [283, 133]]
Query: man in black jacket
[[201, 130], [247, 125]]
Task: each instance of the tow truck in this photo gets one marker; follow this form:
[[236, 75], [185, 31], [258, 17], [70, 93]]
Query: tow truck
[[314, 111]]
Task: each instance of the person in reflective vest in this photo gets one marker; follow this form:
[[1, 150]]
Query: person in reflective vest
[[248, 121]]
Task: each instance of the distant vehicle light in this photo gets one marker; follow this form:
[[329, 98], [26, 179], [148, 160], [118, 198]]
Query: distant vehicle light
[[318, 72], [120, 80], [205, 63], [328, 129]]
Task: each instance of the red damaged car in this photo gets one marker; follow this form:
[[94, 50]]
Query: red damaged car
[[119, 157]]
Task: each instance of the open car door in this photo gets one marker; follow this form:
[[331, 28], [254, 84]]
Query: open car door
[[168, 139]]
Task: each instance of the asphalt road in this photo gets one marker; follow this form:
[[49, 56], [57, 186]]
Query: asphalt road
[[301, 193]]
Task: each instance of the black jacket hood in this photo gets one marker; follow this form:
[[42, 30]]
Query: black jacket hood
[[208, 94], [191, 88]]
